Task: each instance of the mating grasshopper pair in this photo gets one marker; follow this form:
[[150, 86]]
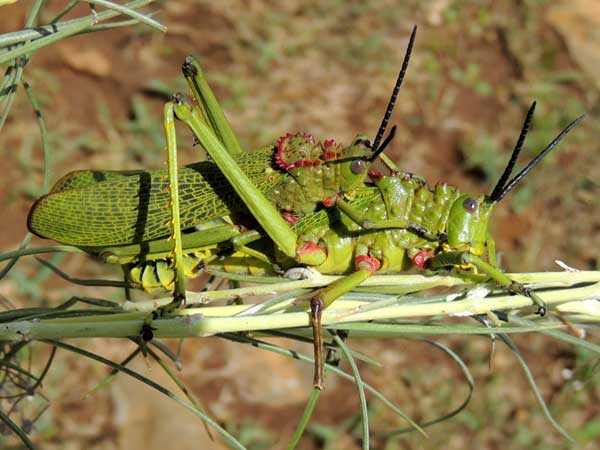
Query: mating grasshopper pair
[[313, 201]]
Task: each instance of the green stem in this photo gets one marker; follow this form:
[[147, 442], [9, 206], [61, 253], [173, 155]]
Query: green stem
[[67, 29], [410, 283], [198, 321], [125, 10]]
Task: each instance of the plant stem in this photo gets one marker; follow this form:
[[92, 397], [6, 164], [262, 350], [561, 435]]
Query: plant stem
[[208, 321]]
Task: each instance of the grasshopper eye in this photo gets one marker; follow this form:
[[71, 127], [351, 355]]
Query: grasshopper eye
[[357, 167], [470, 205]]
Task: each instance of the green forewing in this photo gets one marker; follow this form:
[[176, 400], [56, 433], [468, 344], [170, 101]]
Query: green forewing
[[90, 208]]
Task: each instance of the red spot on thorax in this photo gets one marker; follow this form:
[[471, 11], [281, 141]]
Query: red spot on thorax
[[330, 201], [375, 175], [308, 247], [422, 258], [367, 262], [330, 150], [290, 217]]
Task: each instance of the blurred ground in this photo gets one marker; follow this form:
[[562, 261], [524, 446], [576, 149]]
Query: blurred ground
[[328, 68]]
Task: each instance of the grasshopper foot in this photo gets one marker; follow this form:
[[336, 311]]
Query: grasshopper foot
[[188, 68], [520, 289], [147, 332]]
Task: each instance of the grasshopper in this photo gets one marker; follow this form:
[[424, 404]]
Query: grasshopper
[[123, 215], [387, 226]]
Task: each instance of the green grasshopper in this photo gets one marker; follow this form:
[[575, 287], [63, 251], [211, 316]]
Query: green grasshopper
[[387, 226], [123, 215]]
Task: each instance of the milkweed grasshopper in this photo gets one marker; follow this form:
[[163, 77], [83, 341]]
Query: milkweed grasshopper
[[123, 214], [395, 223]]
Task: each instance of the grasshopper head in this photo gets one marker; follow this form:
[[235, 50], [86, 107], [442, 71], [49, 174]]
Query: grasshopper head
[[468, 223], [354, 163], [468, 220]]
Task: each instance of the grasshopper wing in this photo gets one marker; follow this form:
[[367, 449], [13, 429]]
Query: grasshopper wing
[[94, 209]]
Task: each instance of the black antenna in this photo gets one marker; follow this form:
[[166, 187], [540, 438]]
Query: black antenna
[[515, 154], [390, 107], [385, 143], [512, 183]]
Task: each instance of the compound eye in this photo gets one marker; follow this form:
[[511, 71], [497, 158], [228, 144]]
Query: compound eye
[[470, 205], [357, 167]]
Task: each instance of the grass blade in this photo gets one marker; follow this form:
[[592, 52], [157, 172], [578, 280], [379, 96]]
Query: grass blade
[[310, 406], [123, 9], [536, 392], [359, 386]]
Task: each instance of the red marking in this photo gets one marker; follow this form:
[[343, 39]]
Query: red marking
[[279, 154], [308, 247], [368, 262], [290, 217], [329, 143], [375, 175], [422, 258], [329, 155], [330, 201], [307, 136]]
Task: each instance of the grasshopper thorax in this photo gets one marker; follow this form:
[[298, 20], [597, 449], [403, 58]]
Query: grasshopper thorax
[[296, 151], [320, 172]]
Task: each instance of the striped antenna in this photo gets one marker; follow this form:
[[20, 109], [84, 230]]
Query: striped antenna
[[382, 147], [515, 154], [512, 183], [390, 107]]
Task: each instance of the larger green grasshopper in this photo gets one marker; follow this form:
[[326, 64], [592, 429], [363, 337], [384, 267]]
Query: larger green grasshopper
[[124, 215], [392, 224]]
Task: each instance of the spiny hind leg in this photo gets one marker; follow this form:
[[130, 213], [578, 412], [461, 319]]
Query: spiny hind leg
[[209, 107], [265, 213], [175, 223], [146, 332], [175, 227]]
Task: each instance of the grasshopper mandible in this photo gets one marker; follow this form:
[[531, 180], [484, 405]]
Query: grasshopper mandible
[[390, 225]]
